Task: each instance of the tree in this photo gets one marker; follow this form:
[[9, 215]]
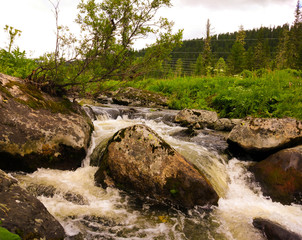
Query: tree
[[220, 67], [241, 36], [236, 60], [296, 36], [109, 30], [207, 51], [284, 52], [199, 66], [261, 51], [178, 67]]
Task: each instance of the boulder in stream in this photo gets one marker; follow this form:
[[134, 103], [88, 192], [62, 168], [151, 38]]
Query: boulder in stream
[[139, 98], [280, 175], [196, 118], [25, 215], [37, 130], [274, 231], [261, 137], [137, 159]]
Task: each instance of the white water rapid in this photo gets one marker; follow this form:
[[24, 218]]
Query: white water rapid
[[90, 212]]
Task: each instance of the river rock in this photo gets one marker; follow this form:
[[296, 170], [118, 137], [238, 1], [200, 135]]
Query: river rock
[[98, 152], [274, 231], [137, 159], [198, 119], [37, 130], [25, 215], [139, 98], [262, 137], [280, 175]]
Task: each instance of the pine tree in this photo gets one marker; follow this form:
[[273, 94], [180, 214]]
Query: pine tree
[[236, 60], [296, 36], [178, 68], [284, 52], [220, 67], [260, 57], [207, 51], [199, 66]]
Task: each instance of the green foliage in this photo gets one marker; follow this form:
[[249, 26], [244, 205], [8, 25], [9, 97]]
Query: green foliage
[[220, 67], [109, 30], [13, 33], [270, 94], [15, 63], [7, 235], [178, 68], [236, 59]]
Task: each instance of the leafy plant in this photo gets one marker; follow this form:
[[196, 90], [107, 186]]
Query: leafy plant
[[105, 51]]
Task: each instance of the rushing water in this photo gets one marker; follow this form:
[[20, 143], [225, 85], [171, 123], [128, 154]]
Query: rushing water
[[91, 212]]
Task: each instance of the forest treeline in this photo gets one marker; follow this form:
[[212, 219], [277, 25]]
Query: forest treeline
[[270, 48], [106, 49]]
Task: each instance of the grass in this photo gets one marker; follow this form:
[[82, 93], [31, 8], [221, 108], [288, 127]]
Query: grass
[[271, 94]]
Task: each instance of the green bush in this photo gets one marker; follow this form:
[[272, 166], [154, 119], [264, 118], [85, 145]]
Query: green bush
[[246, 74], [15, 63], [7, 235], [273, 94]]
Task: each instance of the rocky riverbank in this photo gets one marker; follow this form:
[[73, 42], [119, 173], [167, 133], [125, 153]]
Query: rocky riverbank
[[36, 131], [40, 131]]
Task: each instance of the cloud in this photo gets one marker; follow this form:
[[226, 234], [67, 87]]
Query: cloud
[[233, 4]]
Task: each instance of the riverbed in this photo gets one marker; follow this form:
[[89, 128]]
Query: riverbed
[[90, 212]]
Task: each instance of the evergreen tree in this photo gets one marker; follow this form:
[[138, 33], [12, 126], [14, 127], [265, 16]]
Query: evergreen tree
[[236, 60], [220, 67], [296, 36], [178, 68], [260, 56], [199, 66], [241, 36], [207, 51], [249, 59], [284, 53]]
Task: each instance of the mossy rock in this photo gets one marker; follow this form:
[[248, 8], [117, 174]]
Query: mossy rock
[[37, 130], [280, 175], [139, 98], [138, 160], [25, 215]]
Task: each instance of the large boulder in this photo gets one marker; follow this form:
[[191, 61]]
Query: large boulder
[[37, 130], [262, 137], [200, 119], [280, 175], [25, 215], [139, 98], [196, 118], [137, 159], [274, 231]]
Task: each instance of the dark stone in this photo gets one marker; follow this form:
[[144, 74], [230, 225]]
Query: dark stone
[[139, 98], [37, 130], [198, 119], [25, 215], [262, 137], [137, 159], [280, 175], [274, 231]]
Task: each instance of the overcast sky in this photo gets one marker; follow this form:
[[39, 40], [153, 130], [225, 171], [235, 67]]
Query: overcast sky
[[36, 20]]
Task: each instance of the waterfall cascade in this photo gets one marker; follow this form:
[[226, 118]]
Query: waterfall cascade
[[95, 213]]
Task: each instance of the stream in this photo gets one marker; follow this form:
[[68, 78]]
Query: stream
[[90, 212]]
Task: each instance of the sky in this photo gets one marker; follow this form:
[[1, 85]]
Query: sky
[[36, 20]]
